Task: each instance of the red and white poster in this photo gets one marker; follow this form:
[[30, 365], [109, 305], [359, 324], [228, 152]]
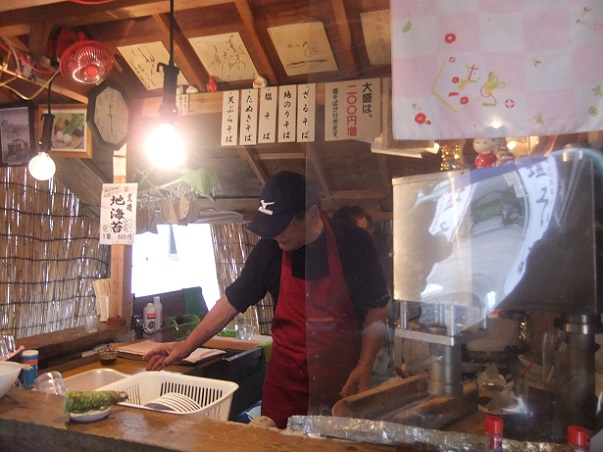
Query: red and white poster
[[353, 109]]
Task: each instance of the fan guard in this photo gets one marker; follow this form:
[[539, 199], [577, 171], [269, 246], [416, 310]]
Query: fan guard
[[86, 62]]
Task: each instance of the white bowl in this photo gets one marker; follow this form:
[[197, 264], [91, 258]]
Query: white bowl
[[9, 372]]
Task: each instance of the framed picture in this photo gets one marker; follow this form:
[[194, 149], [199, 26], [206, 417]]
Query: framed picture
[[17, 138], [70, 134]]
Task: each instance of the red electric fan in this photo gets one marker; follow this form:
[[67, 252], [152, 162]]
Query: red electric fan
[[81, 59]]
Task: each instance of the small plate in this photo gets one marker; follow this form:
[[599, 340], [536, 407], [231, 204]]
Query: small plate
[[90, 416]]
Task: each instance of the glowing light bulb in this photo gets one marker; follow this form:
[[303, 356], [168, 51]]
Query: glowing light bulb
[[42, 167], [165, 147]]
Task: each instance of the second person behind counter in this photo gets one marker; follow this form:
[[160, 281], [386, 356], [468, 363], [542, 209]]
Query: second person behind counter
[[330, 294]]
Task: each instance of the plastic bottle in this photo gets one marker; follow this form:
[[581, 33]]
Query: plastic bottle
[[159, 309], [149, 318], [494, 430], [577, 438]]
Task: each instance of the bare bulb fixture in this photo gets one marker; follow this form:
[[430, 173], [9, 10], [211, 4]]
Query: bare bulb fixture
[[165, 147], [42, 167]]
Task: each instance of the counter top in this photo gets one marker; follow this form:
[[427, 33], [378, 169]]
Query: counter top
[[30, 420]]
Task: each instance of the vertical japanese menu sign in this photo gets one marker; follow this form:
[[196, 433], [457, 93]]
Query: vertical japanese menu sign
[[287, 107], [230, 118], [118, 214], [267, 118], [353, 109], [248, 133], [306, 112], [249, 117]]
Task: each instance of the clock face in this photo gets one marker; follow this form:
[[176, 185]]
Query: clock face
[[110, 116]]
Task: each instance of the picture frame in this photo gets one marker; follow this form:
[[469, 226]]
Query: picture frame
[[17, 137], [71, 137]]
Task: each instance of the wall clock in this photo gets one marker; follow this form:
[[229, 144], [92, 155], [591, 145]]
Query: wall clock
[[108, 115]]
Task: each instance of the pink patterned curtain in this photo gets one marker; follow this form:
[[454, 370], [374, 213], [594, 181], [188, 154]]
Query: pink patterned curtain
[[491, 68]]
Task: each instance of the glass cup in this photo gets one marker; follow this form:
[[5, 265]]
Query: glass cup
[[4, 354], [51, 383], [91, 323], [10, 342], [245, 327]]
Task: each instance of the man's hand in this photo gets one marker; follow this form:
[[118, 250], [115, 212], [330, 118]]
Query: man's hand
[[358, 381], [165, 354]]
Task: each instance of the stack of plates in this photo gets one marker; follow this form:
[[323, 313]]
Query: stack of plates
[[173, 401]]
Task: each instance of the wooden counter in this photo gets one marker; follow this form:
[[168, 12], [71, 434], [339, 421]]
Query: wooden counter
[[31, 420]]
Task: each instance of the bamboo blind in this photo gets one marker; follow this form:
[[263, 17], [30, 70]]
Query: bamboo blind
[[49, 256], [232, 245]]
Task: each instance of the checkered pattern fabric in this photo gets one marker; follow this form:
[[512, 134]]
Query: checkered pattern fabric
[[491, 68]]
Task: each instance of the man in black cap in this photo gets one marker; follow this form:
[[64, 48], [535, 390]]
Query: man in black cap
[[330, 295]]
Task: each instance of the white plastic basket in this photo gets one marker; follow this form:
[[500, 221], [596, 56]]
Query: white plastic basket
[[214, 396]]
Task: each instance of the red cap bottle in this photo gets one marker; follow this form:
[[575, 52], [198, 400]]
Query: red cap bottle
[[577, 438], [494, 430]]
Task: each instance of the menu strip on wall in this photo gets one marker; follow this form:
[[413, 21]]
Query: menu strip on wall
[[268, 112], [248, 134], [306, 112], [287, 107], [230, 118]]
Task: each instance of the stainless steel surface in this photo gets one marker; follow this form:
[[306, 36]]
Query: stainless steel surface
[[516, 239], [489, 239], [445, 370]]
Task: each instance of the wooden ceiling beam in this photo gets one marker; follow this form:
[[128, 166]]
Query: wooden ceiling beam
[[10, 5], [16, 21], [184, 55], [320, 172], [345, 37], [208, 103], [58, 86], [247, 155], [265, 68], [281, 156], [358, 194]]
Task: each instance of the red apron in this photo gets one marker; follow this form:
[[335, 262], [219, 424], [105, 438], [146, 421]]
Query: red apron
[[316, 341]]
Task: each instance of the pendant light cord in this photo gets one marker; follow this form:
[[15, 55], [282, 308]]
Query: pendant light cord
[[171, 32], [49, 92]]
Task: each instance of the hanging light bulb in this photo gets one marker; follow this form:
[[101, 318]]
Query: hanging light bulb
[[42, 167], [164, 145]]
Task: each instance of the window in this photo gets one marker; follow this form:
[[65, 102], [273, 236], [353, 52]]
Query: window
[[175, 258]]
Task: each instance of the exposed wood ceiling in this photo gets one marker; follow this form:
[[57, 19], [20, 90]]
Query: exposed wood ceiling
[[346, 172]]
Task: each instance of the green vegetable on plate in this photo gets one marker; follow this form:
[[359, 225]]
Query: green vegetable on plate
[[82, 401]]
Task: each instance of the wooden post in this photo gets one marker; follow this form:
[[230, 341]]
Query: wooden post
[[120, 301]]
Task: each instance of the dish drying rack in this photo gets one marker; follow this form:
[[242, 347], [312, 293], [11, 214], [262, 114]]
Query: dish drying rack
[[176, 394]]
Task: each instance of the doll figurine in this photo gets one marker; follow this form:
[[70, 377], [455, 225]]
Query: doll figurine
[[486, 151]]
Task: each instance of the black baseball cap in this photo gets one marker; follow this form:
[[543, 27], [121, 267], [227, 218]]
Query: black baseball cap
[[285, 195]]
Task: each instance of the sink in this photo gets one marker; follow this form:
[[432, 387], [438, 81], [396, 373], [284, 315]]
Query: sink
[[93, 379]]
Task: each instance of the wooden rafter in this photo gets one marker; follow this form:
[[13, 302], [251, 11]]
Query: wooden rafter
[[184, 54], [261, 59], [345, 36], [320, 172], [248, 156]]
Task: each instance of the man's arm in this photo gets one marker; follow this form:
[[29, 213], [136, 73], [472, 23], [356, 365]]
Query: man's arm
[[216, 319], [372, 337]]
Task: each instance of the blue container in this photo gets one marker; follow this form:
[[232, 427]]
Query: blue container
[[28, 377]]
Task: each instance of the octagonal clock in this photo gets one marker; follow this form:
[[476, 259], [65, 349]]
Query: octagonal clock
[[108, 114]]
